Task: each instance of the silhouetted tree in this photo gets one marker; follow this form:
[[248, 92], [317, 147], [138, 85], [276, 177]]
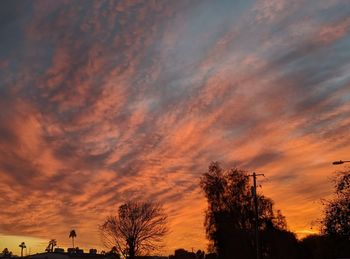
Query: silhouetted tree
[[6, 253], [334, 240], [183, 254], [211, 256], [72, 235], [22, 246], [113, 250], [200, 254], [325, 247], [138, 228], [336, 219], [278, 243], [229, 219], [51, 245]]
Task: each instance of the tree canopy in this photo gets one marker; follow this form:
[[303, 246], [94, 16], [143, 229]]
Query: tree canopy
[[137, 229], [229, 218], [336, 219], [51, 245]]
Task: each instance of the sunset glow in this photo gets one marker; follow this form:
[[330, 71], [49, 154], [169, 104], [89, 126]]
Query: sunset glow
[[106, 101]]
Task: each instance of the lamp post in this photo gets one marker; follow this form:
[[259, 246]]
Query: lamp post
[[340, 162]]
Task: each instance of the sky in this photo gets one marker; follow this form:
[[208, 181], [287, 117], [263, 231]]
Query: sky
[[102, 102]]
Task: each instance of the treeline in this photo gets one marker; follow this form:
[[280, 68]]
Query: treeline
[[230, 221], [234, 208], [311, 247], [183, 254]]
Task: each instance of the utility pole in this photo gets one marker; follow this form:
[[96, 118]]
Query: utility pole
[[254, 175]]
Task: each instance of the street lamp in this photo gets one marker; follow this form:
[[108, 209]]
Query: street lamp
[[340, 162]]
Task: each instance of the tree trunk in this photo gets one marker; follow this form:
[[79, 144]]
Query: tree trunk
[[132, 252]]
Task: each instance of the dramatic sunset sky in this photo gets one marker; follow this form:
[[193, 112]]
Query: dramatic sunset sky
[[106, 101]]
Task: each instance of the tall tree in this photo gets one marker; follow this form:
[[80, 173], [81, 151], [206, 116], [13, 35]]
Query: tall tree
[[137, 229], [229, 219], [22, 246], [72, 235], [336, 219], [334, 239]]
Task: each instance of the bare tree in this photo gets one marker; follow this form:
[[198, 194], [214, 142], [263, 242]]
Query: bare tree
[[138, 228]]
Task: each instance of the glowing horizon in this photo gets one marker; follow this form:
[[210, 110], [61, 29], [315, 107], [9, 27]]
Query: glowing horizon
[[105, 101]]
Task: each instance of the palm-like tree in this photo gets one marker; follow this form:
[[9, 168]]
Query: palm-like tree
[[72, 235], [6, 252], [52, 244], [22, 246]]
